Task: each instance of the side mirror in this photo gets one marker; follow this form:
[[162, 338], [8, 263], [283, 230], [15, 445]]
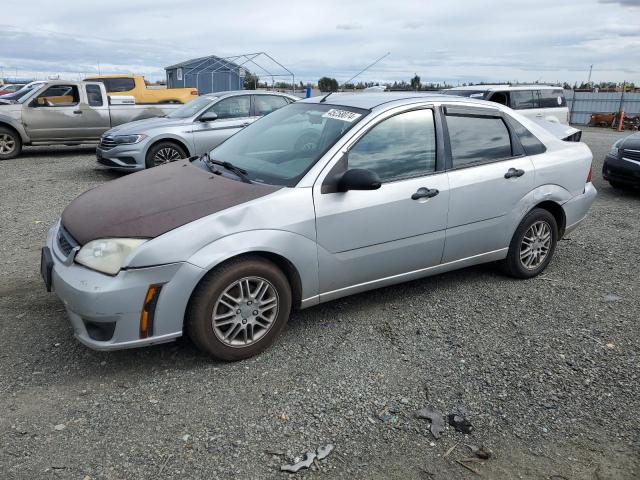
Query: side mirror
[[208, 117], [358, 179]]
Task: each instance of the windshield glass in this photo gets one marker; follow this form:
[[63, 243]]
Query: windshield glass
[[21, 95], [467, 93], [281, 147], [191, 108]]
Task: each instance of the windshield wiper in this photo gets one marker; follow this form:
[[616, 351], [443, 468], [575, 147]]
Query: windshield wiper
[[241, 173]]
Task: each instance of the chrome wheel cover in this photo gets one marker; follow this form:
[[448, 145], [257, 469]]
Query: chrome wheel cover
[[535, 245], [245, 311], [166, 155], [7, 144]]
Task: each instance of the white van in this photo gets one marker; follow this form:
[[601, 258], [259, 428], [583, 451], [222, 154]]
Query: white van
[[534, 101]]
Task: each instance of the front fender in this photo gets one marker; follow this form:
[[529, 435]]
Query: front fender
[[297, 249], [17, 125]]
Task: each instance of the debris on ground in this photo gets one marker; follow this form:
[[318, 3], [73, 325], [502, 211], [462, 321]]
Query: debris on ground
[[481, 452], [309, 457], [389, 413], [458, 420], [611, 297], [435, 417], [321, 453]]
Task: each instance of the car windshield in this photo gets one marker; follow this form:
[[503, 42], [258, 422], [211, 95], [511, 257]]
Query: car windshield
[[21, 95], [190, 109], [467, 93], [281, 147]]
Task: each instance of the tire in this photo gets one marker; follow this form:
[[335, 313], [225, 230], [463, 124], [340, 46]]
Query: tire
[[219, 293], [10, 143], [516, 262], [619, 186], [164, 152]]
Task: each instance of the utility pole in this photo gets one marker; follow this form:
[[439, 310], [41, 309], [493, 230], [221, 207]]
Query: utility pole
[[589, 79]]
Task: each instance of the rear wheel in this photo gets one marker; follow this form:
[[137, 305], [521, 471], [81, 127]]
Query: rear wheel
[[239, 309], [164, 152], [533, 244], [10, 143]]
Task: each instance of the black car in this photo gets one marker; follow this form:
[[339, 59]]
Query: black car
[[622, 164]]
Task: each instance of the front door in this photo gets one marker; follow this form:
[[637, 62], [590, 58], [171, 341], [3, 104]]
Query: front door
[[55, 114], [374, 235], [489, 175], [233, 115]]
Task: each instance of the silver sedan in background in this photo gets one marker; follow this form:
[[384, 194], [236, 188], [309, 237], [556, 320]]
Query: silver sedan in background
[[192, 129]]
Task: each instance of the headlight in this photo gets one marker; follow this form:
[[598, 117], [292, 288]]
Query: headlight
[[126, 139], [107, 255], [614, 148]]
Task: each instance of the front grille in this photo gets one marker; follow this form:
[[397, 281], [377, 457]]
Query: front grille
[[631, 154], [65, 241], [107, 143]]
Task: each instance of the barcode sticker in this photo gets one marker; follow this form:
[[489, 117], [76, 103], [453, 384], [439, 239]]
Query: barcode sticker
[[344, 115]]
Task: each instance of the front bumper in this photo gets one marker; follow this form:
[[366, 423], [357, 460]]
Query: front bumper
[[125, 158], [619, 170], [105, 311]]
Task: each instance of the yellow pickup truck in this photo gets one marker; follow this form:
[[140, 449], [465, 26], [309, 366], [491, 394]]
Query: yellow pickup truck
[[134, 86]]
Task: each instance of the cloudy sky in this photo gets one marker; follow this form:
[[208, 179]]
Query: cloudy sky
[[455, 41]]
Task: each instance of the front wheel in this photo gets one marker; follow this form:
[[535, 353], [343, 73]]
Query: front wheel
[[10, 144], [239, 309], [164, 152], [533, 244]]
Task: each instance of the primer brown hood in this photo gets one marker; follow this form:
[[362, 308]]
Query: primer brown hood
[[150, 203]]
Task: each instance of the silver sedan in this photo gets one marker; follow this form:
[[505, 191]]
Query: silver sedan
[[323, 198], [193, 129]]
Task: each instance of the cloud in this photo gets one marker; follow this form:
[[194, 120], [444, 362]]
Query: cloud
[[624, 3], [348, 26]]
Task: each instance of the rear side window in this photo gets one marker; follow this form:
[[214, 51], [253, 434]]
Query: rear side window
[[530, 143], [477, 139], [402, 146], [523, 99], [551, 99], [268, 103], [94, 96]]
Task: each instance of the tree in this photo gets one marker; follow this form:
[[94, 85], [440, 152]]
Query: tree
[[415, 82], [326, 84], [251, 81]]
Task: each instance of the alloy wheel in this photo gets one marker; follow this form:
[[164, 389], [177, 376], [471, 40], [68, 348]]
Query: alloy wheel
[[7, 144], [166, 155], [535, 245], [245, 311]]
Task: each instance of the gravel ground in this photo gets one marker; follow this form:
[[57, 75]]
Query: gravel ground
[[547, 369]]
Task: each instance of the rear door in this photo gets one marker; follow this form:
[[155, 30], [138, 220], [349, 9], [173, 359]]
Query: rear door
[[234, 113], [488, 176], [552, 105], [364, 236], [55, 114]]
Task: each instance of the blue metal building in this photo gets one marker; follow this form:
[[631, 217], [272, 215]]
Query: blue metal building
[[207, 74]]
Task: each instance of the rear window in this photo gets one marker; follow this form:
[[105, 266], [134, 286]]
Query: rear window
[[477, 139], [552, 99], [114, 85]]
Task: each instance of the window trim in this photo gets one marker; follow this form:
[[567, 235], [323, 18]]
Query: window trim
[[517, 151]]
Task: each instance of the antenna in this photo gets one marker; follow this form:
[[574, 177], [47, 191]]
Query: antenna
[[325, 97], [367, 68]]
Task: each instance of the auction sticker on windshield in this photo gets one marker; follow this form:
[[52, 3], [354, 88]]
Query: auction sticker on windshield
[[343, 115]]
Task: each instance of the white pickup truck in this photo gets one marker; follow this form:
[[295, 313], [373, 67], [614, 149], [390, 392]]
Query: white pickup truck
[[67, 113]]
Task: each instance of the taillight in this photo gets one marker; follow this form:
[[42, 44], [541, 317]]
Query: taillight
[[590, 174]]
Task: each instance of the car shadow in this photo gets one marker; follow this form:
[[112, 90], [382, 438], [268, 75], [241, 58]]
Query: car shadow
[[58, 151]]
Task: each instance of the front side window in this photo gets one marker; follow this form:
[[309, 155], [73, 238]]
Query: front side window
[[522, 99], [59, 96], [232, 107], [477, 139], [268, 103], [281, 147], [402, 146], [94, 96]]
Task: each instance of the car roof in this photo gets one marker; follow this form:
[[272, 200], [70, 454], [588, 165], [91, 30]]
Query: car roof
[[230, 93], [371, 100], [505, 87]]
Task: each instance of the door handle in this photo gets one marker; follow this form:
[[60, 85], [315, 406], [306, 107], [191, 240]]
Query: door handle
[[246, 124], [424, 192], [514, 172], [77, 112]]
